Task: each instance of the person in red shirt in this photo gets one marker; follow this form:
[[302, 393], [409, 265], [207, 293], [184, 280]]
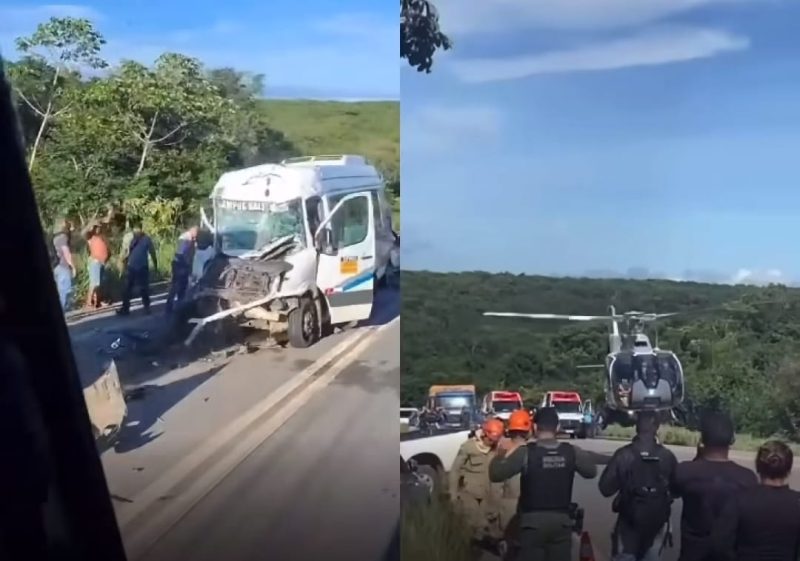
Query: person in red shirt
[[98, 257]]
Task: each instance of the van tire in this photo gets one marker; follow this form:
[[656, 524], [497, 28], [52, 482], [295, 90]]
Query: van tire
[[303, 324]]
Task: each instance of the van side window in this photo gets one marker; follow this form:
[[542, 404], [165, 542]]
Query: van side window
[[376, 210], [350, 224], [314, 213]]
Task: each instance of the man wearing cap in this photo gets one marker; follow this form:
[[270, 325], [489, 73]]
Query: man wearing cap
[[547, 470], [470, 489]]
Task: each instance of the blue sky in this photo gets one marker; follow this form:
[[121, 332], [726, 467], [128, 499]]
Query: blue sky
[[346, 49], [643, 138]]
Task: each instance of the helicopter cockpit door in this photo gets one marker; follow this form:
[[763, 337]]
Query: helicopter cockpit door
[[670, 369], [649, 389]]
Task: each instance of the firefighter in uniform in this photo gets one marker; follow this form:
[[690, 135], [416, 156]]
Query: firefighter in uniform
[[547, 470], [470, 489], [520, 426]]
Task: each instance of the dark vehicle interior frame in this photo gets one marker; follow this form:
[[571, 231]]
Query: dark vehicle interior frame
[[54, 500]]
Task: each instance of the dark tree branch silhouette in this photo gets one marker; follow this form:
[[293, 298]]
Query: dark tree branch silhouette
[[420, 36]]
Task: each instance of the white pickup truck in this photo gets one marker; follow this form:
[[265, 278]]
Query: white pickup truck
[[432, 454]]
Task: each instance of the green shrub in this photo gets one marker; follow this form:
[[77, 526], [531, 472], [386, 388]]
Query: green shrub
[[679, 436], [434, 532]]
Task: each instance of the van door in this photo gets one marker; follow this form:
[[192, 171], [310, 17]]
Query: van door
[[384, 238], [345, 241]]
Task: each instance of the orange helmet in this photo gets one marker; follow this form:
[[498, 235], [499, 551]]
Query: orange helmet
[[493, 429], [520, 420]]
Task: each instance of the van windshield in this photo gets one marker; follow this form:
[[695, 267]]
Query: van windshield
[[249, 226], [506, 406], [567, 406]]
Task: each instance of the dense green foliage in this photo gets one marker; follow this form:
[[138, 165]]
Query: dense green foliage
[[165, 131], [740, 346], [151, 140], [420, 36]]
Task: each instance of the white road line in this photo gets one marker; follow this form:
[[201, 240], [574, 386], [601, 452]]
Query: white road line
[[144, 536], [188, 464]]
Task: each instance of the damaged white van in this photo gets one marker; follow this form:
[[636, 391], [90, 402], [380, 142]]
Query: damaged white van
[[300, 246]]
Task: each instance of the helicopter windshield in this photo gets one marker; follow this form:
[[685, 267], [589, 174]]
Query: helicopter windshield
[[650, 369]]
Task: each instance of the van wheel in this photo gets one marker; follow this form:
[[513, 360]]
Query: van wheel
[[303, 325]]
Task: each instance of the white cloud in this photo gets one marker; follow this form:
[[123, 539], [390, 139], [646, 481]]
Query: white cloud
[[441, 128], [759, 278], [460, 17], [654, 47]]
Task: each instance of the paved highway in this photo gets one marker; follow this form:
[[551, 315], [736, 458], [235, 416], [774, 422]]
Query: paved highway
[[324, 486], [243, 453]]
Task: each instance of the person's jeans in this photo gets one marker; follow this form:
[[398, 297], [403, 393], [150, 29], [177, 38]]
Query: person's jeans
[[63, 278], [96, 270], [136, 278]]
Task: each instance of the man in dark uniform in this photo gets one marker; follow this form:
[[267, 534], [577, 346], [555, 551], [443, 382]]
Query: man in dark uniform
[[547, 470], [641, 475]]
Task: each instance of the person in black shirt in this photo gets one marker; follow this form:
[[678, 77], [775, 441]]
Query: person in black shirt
[[706, 483], [762, 523], [641, 475]]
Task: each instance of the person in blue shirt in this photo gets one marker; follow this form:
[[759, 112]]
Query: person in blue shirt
[[181, 267], [137, 269]]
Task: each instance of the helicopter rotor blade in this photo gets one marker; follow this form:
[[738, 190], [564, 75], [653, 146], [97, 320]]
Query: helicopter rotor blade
[[552, 316], [591, 366]]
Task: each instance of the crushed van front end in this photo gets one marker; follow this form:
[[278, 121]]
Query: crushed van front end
[[251, 292]]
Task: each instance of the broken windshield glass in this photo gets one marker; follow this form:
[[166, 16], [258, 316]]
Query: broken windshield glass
[[248, 226]]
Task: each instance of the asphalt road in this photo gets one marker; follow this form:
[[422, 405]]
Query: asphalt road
[[180, 400], [323, 487]]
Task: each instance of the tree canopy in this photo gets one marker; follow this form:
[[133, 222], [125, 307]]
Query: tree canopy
[[420, 36], [738, 345], [155, 137]]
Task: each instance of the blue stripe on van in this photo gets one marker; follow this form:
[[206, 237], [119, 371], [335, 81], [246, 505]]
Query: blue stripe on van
[[356, 281]]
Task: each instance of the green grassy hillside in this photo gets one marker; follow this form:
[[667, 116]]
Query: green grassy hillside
[[329, 127]]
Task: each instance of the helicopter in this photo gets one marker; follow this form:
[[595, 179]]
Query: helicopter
[[639, 376]]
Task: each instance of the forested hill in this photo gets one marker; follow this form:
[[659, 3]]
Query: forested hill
[[740, 346]]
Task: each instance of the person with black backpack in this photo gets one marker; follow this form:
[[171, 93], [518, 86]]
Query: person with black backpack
[[641, 475]]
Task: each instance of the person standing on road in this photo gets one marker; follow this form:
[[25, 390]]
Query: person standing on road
[[137, 269], [181, 267], [520, 426], [547, 471], [98, 257], [470, 489], [706, 483], [762, 523], [641, 475], [63, 264]]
